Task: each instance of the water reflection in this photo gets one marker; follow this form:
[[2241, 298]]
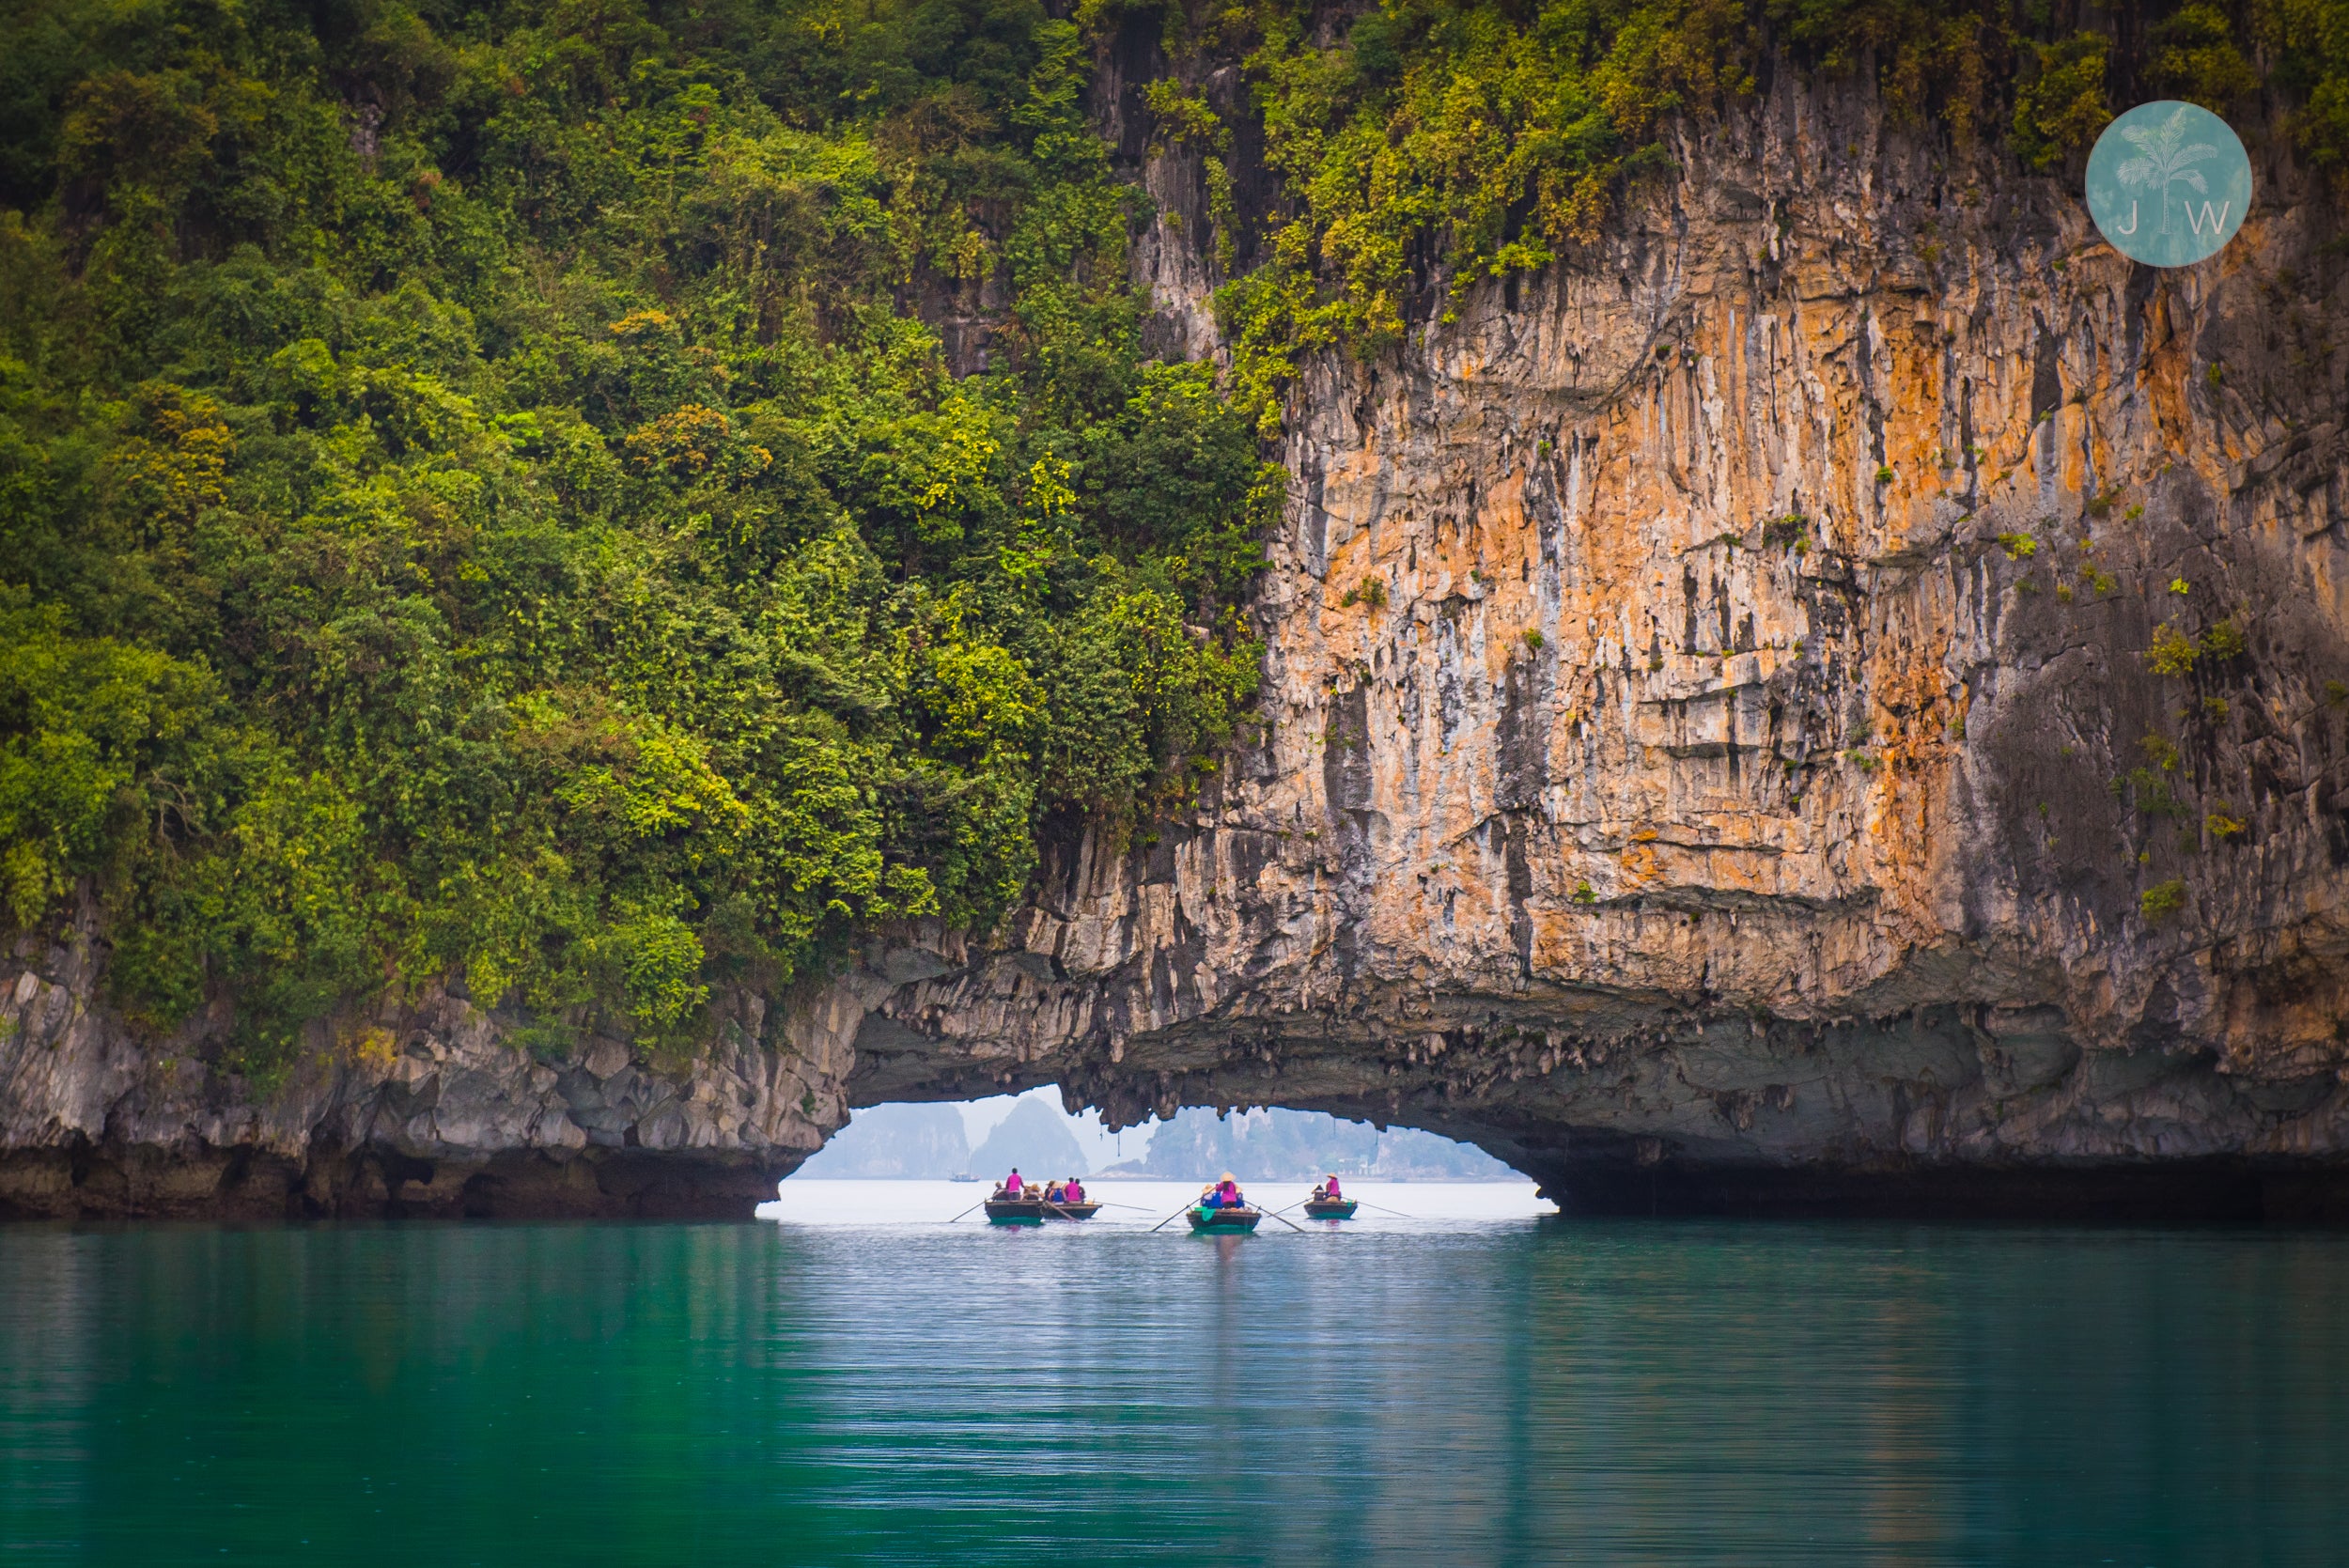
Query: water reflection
[[1515, 1392]]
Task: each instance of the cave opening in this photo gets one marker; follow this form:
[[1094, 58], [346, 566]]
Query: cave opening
[[982, 1139]]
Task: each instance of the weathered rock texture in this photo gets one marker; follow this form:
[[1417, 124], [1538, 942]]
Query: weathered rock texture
[[430, 1108], [1713, 814]]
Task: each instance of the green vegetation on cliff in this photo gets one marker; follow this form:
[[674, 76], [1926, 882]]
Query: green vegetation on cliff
[[477, 496], [486, 488], [1476, 138]]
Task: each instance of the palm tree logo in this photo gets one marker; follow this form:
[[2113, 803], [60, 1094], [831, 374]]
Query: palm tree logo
[[2163, 162]]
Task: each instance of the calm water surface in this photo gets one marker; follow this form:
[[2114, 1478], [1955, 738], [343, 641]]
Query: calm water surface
[[1480, 1386]]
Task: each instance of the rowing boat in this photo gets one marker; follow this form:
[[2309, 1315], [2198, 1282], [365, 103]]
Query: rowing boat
[[1224, 1221], [1025, 1210], [1330, 1208]]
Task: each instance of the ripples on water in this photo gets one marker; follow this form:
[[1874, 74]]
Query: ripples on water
[[1497, 1389]]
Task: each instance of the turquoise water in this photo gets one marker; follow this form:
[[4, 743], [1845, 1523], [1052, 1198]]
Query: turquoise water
[[1492, 1391]]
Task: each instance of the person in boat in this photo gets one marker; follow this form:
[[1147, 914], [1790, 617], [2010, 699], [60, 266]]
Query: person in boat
[[1011, 1183], [1072, 1191], [1208, 1199], [1054, 1191], [1227, 1195], [1330, 1191]]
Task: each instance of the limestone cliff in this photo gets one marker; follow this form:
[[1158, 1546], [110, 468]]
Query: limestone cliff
[[426, 1109], [1710, 757]]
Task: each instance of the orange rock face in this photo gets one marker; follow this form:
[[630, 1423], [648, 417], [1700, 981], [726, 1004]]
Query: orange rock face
[[1712, 726]]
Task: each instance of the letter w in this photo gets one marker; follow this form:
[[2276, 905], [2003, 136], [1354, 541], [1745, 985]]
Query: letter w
[[2215, 223]]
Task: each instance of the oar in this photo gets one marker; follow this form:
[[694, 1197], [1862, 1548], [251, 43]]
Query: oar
[[1290, 1223], [972, 1210], [1136, 1208], [1397, 1212], [1171, 1218]]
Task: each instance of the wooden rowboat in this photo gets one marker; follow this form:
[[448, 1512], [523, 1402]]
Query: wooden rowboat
[[1330, 1208], [1024, 1210], [1224, 1221]]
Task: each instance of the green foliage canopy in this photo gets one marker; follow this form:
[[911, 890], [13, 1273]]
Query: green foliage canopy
[[480, 498]]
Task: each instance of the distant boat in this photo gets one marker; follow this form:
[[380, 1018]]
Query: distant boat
[[1330, 1208], [1236, 1221]]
